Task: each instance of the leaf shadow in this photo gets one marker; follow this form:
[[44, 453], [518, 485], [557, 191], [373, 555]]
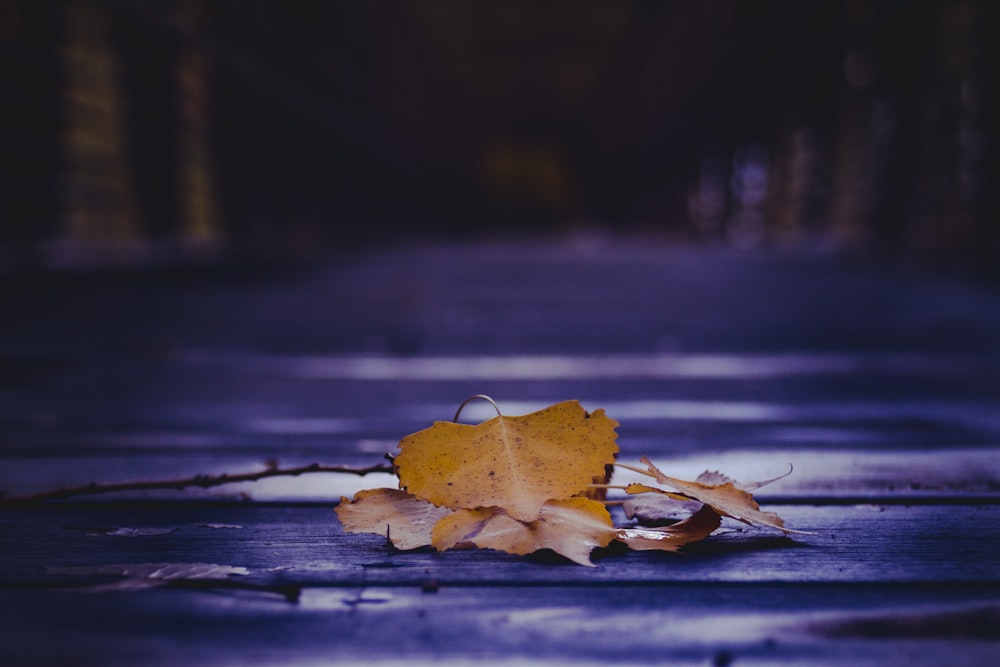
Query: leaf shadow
[[548, 558], [716, 546], [743, 544]]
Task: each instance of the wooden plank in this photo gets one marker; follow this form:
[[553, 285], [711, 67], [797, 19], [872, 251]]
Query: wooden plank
[[305, 546], [881, 391], [524, 298], [665, 623]]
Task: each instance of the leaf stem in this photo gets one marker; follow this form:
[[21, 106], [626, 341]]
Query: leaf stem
[[634, 469], [472, 398]]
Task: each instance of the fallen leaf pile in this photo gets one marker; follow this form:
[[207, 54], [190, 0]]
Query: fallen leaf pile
[[521, 484]]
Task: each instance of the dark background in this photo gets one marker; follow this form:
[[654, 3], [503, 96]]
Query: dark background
[[140, 133]]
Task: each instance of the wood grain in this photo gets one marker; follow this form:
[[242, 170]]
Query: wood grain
[[305, 545], [879, 387]]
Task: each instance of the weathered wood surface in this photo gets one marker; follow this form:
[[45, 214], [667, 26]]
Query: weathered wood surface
[[629, 625], [881, 388], [305, 546]]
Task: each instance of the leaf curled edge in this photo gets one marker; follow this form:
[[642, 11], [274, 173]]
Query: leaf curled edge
[[407, 521], [696, 527], [573, 528], [725, 498]]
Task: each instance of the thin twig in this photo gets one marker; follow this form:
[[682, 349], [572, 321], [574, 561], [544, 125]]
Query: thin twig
[[201, 481]]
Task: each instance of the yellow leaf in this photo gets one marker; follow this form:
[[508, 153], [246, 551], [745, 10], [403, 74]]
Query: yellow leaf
[[572, 527], [724, 498], [407, 521], [515, 463], [696, 527]]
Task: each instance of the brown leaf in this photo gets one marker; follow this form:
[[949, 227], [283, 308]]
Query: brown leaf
[[516, 463], [696, 527], [636, 488], [652, 509], [714, 477], [572, 528], [407, 521], [725, 498]]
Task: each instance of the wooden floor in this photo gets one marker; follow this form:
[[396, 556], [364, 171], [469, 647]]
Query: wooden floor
[[880, 387]]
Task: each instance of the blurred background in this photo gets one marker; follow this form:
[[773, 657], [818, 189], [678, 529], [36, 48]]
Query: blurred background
[[153, 132]]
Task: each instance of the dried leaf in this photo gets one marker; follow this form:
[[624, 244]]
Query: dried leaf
[[654, 509], [521, 484], [572, 528], [406, 520], [714, 477], [598, 489], [517, 463], [725, 498], [696, 527]]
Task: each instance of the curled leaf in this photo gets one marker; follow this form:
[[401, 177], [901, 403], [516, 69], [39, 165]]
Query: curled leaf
[[516, 463], [655, 509], [725, 498], [407, 521], [696, 527], [636, 488], [714, 478], [571, 527]]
